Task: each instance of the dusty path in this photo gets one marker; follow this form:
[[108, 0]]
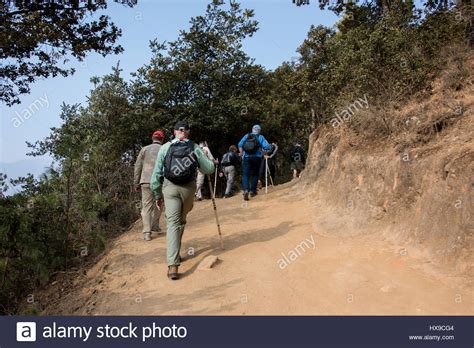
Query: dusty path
[[338, 276]]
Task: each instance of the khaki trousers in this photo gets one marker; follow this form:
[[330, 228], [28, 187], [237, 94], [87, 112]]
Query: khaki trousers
[[199, 184], [179, 200], [150, 213]]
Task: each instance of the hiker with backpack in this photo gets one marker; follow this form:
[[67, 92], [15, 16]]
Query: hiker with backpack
[[144, 166], [200, 176], [228, 168], [175, 172], [250, 149], [298, 160]]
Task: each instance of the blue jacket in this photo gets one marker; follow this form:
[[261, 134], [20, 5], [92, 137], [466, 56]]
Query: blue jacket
[[263, 145]]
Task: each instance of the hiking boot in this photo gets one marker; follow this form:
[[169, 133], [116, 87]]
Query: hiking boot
[[147, 236], [173, 272], [253, 194], [246, 196]]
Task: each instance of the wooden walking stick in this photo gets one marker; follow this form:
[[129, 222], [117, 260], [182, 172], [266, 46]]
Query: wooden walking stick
[[266, 174], [215, 183], [215, 211], [271, 179]]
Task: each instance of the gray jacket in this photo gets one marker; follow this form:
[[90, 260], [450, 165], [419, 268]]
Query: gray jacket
[[146, 163]]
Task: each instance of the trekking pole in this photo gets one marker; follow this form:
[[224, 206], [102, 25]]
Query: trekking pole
[[266, 175], [215, 211], [271, 179], [215, 183]]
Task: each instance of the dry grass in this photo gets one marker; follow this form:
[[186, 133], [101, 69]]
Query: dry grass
[[427, 115]]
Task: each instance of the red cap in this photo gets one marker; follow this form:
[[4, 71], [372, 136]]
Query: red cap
[[159, 134]]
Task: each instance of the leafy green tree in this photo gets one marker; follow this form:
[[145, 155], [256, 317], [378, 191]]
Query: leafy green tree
[[63, 219], [386, 57], [37, 38], [205, 77]]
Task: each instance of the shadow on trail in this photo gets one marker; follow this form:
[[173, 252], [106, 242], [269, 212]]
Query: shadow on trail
[[207, 246]]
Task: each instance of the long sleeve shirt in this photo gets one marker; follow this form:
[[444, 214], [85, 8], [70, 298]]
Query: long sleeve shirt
[[208, 153], [206, 166], [145, 163], [263, 145]]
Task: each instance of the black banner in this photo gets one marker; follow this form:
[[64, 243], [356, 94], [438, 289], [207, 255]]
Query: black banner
[[123, 331]]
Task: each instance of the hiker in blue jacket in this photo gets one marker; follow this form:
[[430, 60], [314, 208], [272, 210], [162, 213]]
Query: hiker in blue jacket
[[250, 149]]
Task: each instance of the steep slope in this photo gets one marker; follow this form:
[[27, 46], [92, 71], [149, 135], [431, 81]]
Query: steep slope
[[414, 186]]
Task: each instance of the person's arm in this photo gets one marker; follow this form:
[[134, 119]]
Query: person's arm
[[241, 144], [206, 166], [264, 143], [209, 154], [137, 172], [156, 177]]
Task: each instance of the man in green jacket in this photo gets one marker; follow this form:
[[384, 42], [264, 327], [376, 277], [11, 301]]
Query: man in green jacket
[[175, 172]]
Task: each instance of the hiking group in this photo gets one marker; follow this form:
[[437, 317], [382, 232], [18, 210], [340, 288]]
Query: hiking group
[[172, 175]]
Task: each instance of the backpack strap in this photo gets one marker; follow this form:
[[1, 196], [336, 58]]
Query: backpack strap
[[194, 155]]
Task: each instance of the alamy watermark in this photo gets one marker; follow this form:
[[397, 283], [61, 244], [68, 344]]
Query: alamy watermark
[[26, 113], [299, 250], [348, 112]]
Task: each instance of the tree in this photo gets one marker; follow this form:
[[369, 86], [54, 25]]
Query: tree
[[385, 53], [382, 7], [37, 38], [205, 77]]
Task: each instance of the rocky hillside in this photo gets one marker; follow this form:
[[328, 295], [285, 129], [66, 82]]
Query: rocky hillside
[[414, 186]]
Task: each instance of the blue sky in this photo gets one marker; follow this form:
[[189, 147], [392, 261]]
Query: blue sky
[[282, 28]]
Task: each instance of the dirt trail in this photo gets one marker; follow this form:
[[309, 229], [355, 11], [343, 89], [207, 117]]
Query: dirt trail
[[361, 275]]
